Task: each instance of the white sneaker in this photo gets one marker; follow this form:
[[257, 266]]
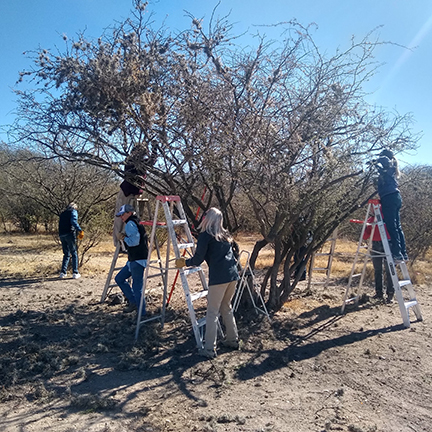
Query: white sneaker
[[76, 275], [62, 275]]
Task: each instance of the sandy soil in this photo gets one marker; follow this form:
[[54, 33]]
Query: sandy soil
[[69, 363]]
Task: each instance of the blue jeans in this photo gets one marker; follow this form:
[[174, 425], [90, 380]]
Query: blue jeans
[[391, 205], [68, 242], [133, 294]]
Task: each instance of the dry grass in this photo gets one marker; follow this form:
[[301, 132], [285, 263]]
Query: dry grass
[[38, 255]]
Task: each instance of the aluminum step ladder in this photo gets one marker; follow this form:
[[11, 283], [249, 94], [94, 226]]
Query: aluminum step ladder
[[179, 239], [373, 209], [140, 205], [243, 283], [327, 268]]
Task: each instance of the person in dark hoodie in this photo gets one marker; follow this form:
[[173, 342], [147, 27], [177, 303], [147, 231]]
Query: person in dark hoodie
[[136, 242], [215, 246], [133, 184], [391, 203], [68, 230]]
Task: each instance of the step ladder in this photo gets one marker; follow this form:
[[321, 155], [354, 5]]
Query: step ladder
[[109, 284], [140, 205], [243, 283], [374, 210], [327, 268], [175, 219]]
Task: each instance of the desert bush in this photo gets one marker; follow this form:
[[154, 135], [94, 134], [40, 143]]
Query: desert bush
[[280, 126]]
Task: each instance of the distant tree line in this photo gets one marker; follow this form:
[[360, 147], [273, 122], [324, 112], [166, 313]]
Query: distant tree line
[[277, 134], [34, 190]]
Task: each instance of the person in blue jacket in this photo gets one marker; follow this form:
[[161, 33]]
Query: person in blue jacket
[[215, 246], [391, 203], [68, 230]]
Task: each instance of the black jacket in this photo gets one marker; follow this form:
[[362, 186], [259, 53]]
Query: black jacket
[[139, 252]]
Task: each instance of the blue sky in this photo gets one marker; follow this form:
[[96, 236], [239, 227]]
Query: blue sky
[[403, 83]]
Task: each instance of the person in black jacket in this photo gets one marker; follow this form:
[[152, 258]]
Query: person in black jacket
[[68, 230], [215, 246], [136, 242]]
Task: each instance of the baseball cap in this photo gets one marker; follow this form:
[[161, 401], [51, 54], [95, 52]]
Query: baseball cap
[[125, 209]]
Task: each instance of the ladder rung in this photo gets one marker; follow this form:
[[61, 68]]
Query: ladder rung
[[356, 275], [352, 299], [150, 319], [319, 268], [198, 295], [405, 282], [154, 275], [179, 222], [186, 245], [150, 223], [192, 270], [201, 322], [410, 303]]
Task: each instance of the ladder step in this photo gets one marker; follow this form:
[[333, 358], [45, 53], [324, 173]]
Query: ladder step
[[201, 322], [186, 245], [411, 303], [352, 299], [154, 275], [319, 268], [199, 295], [192, 270], [177, 222], [405, 282]]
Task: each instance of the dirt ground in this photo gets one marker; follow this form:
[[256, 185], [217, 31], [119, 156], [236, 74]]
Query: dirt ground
[[69, 363]]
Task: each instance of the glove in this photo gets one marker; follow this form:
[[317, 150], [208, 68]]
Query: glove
[[120, 236], [80, 235], [180, 262]]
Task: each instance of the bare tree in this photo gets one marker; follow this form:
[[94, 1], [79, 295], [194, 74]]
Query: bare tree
[[280, 127]]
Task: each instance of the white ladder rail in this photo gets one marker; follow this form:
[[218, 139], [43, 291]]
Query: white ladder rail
[[162, 273], [327, 269], [404, 306], [373, 209], [169, 205], [108, 285], [352, 275], [243, 282]]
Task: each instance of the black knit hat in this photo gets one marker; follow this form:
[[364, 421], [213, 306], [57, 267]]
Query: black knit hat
[[388, 153]]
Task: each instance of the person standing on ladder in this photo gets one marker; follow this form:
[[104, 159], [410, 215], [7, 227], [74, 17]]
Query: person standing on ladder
[[136, 242], [215, 246], [391, 203], [132, 186], [378, 259]]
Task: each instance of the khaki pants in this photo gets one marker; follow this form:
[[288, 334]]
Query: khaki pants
[[122, 199], [219, 300]]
